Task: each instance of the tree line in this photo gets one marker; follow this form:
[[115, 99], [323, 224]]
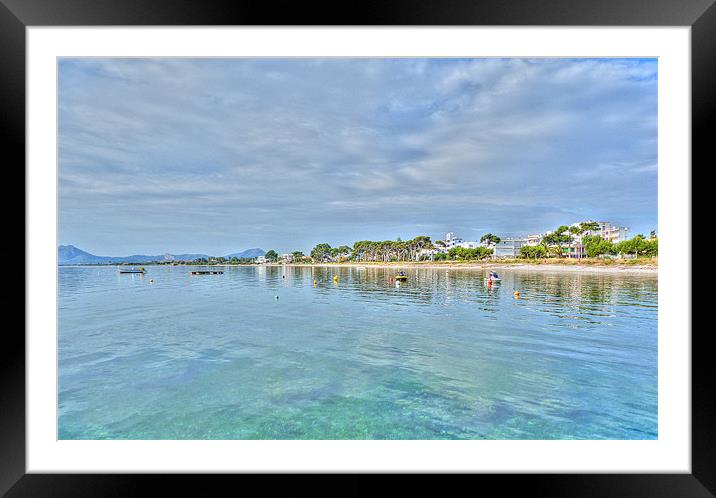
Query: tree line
[[639, 245], [554, 243], [384, 251]]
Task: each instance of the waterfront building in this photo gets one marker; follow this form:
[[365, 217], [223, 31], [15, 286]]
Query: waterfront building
[[451, 240], [534, 240], [615, 234], [424, 254], [509, 248], [607, 231], [261, 260]]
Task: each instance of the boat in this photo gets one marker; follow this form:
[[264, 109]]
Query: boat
[[401, 277], [132, 270], [492, 278]]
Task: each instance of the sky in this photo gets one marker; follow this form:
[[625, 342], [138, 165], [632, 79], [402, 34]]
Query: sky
[[215, 156]]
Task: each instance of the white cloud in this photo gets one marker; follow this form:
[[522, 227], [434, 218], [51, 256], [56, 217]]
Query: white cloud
[[309, 149]]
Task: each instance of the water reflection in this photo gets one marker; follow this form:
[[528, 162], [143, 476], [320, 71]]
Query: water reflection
[[351, 353]]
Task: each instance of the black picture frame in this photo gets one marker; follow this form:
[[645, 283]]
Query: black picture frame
[[16, 15]]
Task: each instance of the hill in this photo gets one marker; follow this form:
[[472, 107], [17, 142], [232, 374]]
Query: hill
[[248, 253], [71, 255]]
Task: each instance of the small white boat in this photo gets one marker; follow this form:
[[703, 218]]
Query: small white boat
[[132, 270], [493, 278]]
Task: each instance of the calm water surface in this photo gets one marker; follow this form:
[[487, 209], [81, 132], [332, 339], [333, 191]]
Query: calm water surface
[[440, 357]]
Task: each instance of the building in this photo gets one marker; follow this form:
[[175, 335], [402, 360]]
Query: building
[[607, 231], [424, 254], [615, 234], [576, 250], [534, 240], [286, 258], [451, 240], [509, 248], [261, 260]]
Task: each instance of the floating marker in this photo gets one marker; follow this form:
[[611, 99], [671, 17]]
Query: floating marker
[[517, 294]]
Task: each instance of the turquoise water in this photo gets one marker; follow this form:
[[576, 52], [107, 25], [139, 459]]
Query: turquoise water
[[440, 357]]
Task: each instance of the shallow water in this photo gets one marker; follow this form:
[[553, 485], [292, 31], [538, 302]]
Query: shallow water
[[439, 357]]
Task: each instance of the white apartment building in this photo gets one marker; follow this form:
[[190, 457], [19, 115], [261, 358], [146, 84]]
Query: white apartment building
[[534, 240], [607, 231], [615, 234], [451, 240], [509, 248], [261, 259]]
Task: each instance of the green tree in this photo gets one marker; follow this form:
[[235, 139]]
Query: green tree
[[271, 255], [533, 252], [596, 246], [583, 228], [638, 246], [321, 252], [559, 238], [490, 239]]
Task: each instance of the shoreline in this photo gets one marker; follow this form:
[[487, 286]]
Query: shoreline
[[573, 268], [621, 269]]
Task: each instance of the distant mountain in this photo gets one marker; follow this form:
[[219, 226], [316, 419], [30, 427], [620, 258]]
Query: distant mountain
[[71, 255], [248, 253]]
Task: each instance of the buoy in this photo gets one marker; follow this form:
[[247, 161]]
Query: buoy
[[315, 282], [283, 276], [276, 297], [335, 278], [151, 280], [517, 294]]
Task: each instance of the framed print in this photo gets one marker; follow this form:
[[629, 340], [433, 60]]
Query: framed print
[[433, 240]]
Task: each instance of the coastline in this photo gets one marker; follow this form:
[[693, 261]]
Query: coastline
[[567, 267], [570, 268]]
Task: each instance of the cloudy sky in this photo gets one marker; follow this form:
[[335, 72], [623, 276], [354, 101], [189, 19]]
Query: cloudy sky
[[219, 155]]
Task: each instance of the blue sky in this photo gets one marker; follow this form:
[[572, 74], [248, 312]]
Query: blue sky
[[219, 155]]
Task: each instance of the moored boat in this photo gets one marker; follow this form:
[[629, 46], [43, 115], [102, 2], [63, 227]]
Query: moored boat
[[132, 270], [492, 278]]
